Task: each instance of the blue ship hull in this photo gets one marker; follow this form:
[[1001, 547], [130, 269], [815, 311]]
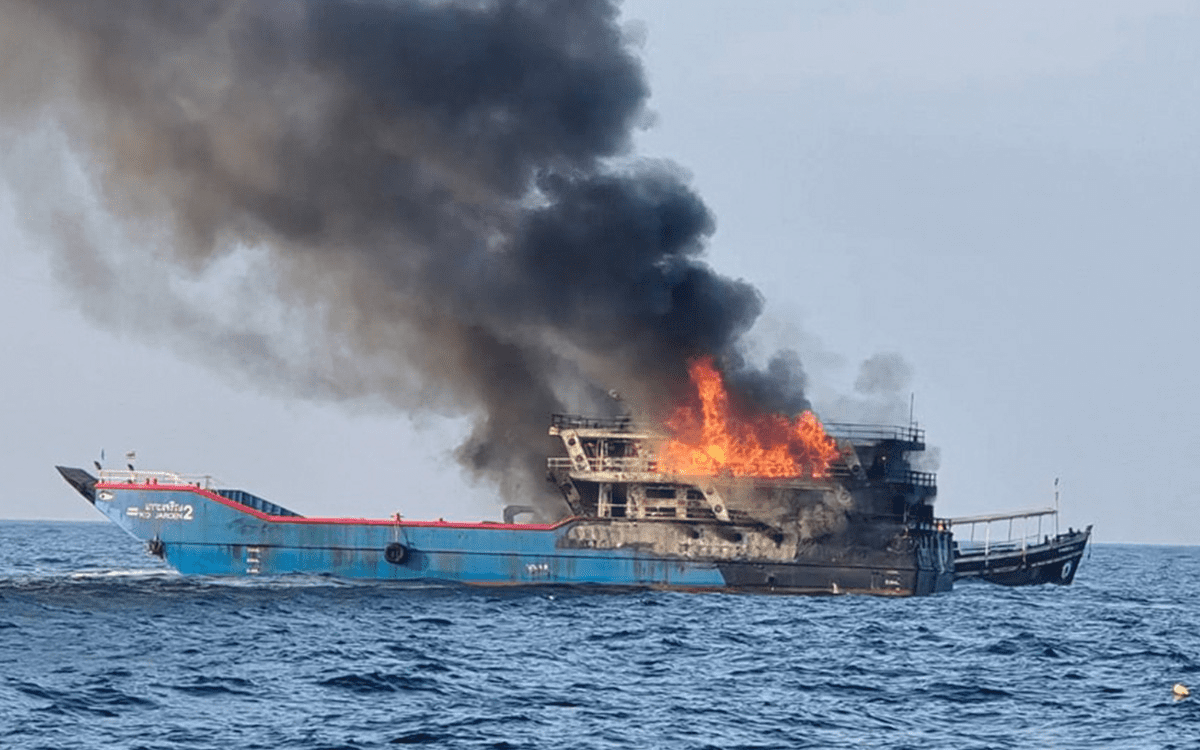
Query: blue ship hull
[[201, 531]]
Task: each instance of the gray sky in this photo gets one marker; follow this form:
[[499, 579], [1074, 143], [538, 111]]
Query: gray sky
[[1003, 194]]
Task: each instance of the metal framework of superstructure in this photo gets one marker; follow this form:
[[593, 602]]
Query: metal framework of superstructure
[[611, 470]]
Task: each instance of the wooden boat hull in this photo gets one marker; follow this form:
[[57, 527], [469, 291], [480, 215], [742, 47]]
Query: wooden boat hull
[[1054, 561]]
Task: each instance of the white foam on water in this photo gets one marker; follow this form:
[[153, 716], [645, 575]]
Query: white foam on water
[[131, 573]]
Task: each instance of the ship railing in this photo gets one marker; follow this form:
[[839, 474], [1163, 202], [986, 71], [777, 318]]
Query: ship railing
[[842, 430], [642, 465], [622, 464], [911, 478], [578, 422], [1027, 535], [649, 464], [121, 476], [874, 432]]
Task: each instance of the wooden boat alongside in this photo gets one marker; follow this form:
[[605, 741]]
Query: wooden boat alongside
[[1016, 559]]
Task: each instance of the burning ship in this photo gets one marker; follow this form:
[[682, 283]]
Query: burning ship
[[446, 199], [765, 504]]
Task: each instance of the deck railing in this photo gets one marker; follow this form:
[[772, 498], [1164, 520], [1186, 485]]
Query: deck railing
[[911, 478], [640, 465], [842, 430], [650, 464], [121, 476], [1014, 539], [852, 431], [635, 464], [577, 422]]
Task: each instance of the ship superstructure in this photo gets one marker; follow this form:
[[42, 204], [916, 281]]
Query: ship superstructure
[[864, 524]]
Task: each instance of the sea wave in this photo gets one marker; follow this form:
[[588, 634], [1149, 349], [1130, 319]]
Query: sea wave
[[106, 649]]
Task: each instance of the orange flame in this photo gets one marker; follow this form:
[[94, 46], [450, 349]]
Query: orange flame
[[713, 440]]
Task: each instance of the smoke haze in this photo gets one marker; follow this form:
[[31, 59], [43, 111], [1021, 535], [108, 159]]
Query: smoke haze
[[433, 204]]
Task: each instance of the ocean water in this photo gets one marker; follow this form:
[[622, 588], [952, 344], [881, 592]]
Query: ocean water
[[101, 646]]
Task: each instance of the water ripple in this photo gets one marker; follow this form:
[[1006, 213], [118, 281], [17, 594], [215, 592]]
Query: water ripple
[[100, 646]]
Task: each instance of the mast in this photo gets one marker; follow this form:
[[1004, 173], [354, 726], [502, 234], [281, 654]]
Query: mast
[[1056, 506]]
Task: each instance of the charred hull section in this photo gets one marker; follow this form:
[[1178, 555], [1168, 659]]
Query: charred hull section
[[828, 578], [761, 559]]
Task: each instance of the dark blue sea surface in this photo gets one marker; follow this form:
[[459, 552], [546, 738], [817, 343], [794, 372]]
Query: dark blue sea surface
[[101, 646]]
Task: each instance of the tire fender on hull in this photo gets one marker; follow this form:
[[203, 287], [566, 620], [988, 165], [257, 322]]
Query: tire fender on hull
[[395, 553]]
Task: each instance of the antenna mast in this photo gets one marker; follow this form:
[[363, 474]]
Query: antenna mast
[[1056, 506]]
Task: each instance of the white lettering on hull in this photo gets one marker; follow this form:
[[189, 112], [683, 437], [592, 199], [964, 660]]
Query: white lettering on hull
[[171, 511]]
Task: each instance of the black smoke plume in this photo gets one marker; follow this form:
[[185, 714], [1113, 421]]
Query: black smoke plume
[[443, 192]]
